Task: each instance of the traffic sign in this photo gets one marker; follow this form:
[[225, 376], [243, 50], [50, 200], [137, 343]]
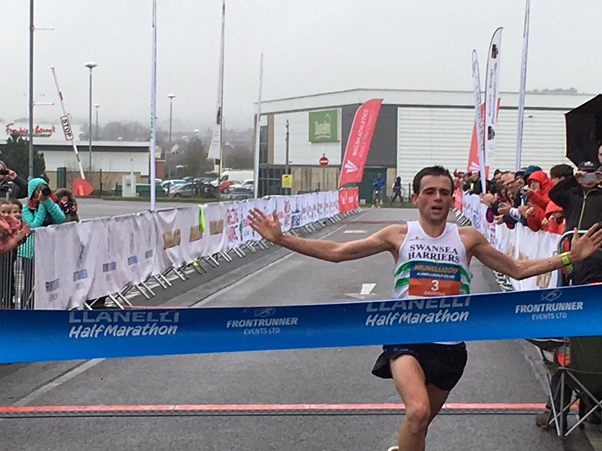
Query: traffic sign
[[323, 160], [287, 181]]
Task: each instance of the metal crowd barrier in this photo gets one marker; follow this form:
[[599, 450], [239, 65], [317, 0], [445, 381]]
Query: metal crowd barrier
[[17, 273], [16, 281]]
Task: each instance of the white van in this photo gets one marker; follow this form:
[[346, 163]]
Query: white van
[[238, 175]]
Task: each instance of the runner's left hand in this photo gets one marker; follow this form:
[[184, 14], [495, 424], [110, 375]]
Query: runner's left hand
[[584, 246], [268, 227]]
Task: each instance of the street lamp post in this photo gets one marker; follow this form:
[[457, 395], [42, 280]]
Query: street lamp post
[[96, 105], [171, 97], [90, 66]]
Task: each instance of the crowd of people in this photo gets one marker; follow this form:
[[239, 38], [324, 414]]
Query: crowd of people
[[40, 208], [559, 201]]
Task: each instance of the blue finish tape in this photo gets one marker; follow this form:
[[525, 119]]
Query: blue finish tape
[[35, 335]]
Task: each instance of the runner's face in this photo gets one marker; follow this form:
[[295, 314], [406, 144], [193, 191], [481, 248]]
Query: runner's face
[[434, 198]]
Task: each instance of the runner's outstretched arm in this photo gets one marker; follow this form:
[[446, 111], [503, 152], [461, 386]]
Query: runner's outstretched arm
[[269, 228], [581, 248]]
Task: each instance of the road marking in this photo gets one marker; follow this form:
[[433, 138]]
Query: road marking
[[58, 381], [263, 407], [354, 231], [367, 288]]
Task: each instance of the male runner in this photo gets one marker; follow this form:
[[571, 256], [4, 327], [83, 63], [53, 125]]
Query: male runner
[[424, 374]]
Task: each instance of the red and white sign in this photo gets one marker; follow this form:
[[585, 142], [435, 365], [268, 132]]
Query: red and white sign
[[67, 130], [38, 131], [323, 160], [358, 144], [348, 199]]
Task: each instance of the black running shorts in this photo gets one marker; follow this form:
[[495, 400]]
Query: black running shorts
[[443, 365]]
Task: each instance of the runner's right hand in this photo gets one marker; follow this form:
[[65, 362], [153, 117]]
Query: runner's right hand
[[268, 227]]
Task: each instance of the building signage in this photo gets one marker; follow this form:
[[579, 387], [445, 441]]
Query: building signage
[[39, 131], [323, 126]]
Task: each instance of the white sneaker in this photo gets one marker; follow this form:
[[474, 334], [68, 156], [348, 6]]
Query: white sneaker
[[393, 448]]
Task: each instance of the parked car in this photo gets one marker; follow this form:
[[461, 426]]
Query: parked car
[[238, 193], [226, 184], [200, 190], [169, 184]]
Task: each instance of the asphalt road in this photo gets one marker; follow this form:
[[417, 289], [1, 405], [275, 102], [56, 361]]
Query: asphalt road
[[497, 372]]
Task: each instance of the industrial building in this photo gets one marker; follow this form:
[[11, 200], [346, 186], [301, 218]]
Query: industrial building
[[414, 129]]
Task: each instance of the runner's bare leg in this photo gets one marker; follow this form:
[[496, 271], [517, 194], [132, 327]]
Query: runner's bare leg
[[422, 402]]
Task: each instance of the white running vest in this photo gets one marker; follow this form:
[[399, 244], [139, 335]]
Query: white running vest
[[429, 267]]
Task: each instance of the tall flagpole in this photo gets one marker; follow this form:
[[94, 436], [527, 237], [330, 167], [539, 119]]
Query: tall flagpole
[[220, 112], [521, 90], [152, 172], [257, 130]]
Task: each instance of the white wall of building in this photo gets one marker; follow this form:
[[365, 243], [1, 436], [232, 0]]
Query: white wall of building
[[301, 151], [137, 162], [429, 136]]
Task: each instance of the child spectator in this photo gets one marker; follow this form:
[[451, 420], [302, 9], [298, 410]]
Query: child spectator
[[17, 208], [11, 233], [68, 205], [539, 184], [553, 221]]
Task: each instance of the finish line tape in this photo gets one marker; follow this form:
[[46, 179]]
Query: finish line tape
[[36, 335]]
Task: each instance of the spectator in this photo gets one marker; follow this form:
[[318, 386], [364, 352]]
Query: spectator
[[11, 186], [68, 205], [560, 172], [41, 210], [16, 209], [536, 192], [580, 197], [378, 184], [537, 189], [397, 191], [553, 221], [473, 185], [11, 233]]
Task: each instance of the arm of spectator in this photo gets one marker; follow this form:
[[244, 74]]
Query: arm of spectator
[[539, 198], [34, 219], [535, 216], [22, 187], [559, 194], [58, 217], [514, 214], [7, 245]]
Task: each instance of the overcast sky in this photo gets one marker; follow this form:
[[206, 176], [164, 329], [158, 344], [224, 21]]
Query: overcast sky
[[310, 46]]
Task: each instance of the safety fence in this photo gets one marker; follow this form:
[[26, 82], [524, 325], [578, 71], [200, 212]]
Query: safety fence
[[520, 243], [80, 265]]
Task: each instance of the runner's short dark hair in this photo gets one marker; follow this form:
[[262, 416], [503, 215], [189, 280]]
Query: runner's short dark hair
[[561, 170], [431, 170]]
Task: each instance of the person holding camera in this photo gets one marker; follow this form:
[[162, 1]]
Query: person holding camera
[[68, 205], [11, 186], [41, 210]]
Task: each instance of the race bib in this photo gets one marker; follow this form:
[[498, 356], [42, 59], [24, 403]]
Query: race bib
[[434, 279]]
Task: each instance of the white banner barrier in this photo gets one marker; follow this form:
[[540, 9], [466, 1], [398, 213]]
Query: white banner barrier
[[520, 243], [80, 261]]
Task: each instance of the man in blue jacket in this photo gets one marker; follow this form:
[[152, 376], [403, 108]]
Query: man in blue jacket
[[378, 184]]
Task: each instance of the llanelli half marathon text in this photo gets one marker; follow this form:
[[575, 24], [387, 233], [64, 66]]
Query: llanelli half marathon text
[[87, 324], [435, 310]]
